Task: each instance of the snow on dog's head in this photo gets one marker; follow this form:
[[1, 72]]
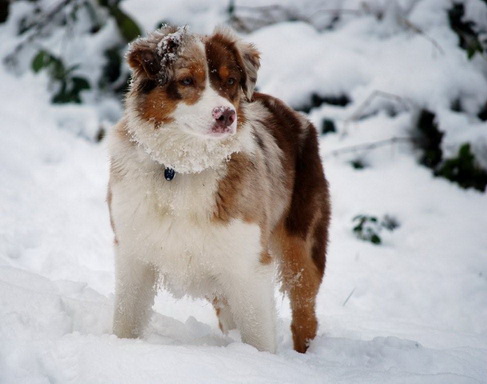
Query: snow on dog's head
[[186, 102]]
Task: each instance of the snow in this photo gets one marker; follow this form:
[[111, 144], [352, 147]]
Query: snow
[[413, 309]]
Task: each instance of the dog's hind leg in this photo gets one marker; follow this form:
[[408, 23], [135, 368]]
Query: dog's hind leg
[[134, 296], [302, 267]]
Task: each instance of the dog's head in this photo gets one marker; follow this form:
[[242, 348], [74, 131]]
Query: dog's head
[[191, 83]]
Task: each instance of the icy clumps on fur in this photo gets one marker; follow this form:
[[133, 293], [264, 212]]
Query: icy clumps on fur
[[169, 46], [167, 43], [172, 147]]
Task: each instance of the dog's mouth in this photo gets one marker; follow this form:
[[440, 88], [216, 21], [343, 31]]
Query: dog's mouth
[[220, 131], [215, 132]]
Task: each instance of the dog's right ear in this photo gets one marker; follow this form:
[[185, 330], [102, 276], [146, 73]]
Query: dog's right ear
[[144, 61], [251, 62]]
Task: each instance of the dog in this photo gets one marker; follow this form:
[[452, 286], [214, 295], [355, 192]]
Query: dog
[[213, 188]]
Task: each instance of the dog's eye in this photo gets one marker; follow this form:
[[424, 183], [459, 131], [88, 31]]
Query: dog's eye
[[231, 81], [187, 81]]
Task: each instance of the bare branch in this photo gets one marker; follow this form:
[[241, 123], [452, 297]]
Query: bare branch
[[348, 297], [408, 24], [377, 93], [369, 146], [408, 103], [259, 16]]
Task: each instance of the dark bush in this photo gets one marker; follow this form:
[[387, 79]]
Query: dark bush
[[464, 170]]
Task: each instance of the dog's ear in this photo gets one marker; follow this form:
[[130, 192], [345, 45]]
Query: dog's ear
[[248, 57], [251, 63], [153, 56], [144, 61]]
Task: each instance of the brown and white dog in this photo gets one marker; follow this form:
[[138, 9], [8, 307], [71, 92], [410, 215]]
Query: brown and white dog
[[211, 185]]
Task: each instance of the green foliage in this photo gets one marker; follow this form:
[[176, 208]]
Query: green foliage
[[358, 164], [482, 115], [68, 85], [113, 64], [70, 90], [368, 228], [113, 78], [41, 21], [469, 38], [126, 25], [317, 100], [231, 8], [464, 170], [429, 140], [4, 10], [328, 126], [456, 105], [390, 223]]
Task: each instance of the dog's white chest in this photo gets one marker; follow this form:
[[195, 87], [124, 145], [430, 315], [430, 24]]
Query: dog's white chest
[[167, 224]]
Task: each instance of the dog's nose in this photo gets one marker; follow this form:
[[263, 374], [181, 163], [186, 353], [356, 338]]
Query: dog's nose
[[224, 116]]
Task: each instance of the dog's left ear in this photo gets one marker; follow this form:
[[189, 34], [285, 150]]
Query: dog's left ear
[[251, 62], [144, 61]]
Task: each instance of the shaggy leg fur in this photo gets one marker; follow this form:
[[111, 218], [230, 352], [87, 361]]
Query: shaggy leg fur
[[134, 297], [251, 300]]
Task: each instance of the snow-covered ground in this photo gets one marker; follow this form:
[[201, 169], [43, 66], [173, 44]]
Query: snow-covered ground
[[412, 310]]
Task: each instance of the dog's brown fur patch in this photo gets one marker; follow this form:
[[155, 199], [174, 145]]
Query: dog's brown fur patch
[[158, 106]]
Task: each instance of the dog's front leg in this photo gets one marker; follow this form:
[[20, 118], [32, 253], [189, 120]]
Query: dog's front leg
[[134, 296], [250, 296]]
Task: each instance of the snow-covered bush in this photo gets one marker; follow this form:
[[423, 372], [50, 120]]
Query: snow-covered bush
[[369, 228], [78, 43]]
